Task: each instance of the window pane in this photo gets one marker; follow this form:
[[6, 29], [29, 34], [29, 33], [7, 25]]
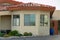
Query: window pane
[[46, 20], [41, 20], [29, 19], [16, 20], [32, 19], [26, 19]]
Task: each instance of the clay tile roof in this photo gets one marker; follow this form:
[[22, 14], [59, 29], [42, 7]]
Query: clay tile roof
[[26, 6], [32, 6], [10, 1]]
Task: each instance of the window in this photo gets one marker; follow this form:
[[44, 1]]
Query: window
[[16, 20], [29, 20], [43, 20]]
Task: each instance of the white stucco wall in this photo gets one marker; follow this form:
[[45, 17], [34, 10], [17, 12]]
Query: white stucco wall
[[5, 13], [36, 30]]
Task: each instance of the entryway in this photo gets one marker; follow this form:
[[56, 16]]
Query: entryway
[[5, 23]]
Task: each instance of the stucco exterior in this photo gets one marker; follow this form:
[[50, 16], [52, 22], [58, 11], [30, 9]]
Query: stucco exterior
[[37, 29], [7, 22], [5, 13]]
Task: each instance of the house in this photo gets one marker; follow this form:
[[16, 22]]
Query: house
[[25, 17], [56, 21]]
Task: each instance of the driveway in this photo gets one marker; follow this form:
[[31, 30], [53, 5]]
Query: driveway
[[56, 37]]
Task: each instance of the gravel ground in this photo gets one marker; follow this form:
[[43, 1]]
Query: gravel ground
[[56, 37]]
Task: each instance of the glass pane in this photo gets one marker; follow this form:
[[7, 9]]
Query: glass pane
[[14, 22], [32, 19], [46, 20], [17, 21], [26, 20], [16, 16], [41, 20]]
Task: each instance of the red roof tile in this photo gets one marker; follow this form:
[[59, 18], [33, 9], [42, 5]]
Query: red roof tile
[[31, 6], [25, 6], [10, 1]]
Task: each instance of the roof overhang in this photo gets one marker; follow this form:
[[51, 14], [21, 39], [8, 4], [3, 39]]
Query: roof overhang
[[26, 6], [10, 1], [51, 9]]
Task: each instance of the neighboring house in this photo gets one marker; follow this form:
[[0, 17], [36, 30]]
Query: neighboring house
[[56, 21], [25, 17]]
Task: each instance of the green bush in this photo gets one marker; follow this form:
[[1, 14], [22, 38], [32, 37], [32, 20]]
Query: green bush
[[13, 33], [18, 35], [1, 34], [30, 34], [25, 34]]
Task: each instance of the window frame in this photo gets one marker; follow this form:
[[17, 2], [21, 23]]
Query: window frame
[[43, 23], [13, 20], [29, 24]]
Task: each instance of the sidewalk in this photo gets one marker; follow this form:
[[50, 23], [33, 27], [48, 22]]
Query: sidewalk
[[55, 37]]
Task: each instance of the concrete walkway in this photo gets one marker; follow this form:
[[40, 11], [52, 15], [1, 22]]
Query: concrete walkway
[[56, 37]]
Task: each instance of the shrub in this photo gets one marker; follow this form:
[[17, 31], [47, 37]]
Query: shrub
[[13, 33], [25, 34], [18, 35], [1, 34], [30, 34]]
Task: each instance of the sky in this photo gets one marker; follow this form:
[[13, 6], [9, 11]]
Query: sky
[[55, 3]]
